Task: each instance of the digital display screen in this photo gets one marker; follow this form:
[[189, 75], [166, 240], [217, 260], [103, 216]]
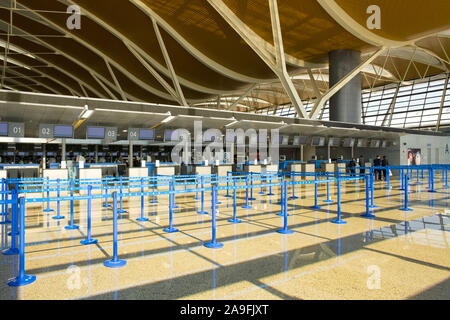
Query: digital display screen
[[50, 154], [384, 144], [123, 154], [114, 154], [101, 154], [39, 154], [96, 133], [63, 131], [21, 154], [299, 140], [349, 142], [171, 135], [334, 142], [362, 142], [10, 154], [375, 143], [284, 139], [318, 141], [3, 129], [91, 154], [146, 134]]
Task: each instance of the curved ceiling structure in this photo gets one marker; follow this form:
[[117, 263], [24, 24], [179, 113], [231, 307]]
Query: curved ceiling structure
[[242, 54]]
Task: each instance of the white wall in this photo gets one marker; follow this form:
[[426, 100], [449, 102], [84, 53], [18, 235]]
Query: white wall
[[439, 147]]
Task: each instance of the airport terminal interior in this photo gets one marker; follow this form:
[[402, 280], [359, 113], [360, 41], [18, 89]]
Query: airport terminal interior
[[224, 149]]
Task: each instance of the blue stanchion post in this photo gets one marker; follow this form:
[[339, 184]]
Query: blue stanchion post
[[48, 197], [173, 197], [3, 197], [58, 202], [121, 210], [251, 187], [88, 239], [196, 188], [372, 189], [5, 209], [283, 200], [270, 187], [71, 226], [285, 229], [213, 244], [315, 206], [293, 197], [431, 173], [171, 229], [367, 214], [153, 190], [228, 185], [106, 204], [142, 218], [328, 200], [22, 279], [247, 206], [115, 262], [14, 224], [405, 207], [446, 177], [234, 220], [202, 210], [338, 191], [388, 179]]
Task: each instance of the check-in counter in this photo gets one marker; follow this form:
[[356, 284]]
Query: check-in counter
[[164, 171], [269, 168], [137, 173], [111, 170], [90, 173], [328, 167], [22, 171], [3, 174], [222, 171], [340, 167], [309, 168], [295, 167], [253, 168], [54, 174]]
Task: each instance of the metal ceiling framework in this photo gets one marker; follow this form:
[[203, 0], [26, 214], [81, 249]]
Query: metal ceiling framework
[[104, 59]]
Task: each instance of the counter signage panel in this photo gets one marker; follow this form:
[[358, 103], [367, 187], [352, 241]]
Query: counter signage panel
[[133, 134], [96, 133], [3, 129], [46, 131], [111, 133], [16, 130], [63, 131]]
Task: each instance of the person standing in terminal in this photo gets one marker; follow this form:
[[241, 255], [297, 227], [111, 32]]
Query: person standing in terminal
[[361, 164], [377, 163], [352, 165], [384, 163]]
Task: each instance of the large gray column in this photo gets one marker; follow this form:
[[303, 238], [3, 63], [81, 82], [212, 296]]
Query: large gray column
[[345, 105]]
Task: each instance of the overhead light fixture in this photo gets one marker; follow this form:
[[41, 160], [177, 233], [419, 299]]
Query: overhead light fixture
[[168, 119], [86, 113]]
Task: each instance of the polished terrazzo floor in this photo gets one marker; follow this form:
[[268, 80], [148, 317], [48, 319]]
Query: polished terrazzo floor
[[396, 255]]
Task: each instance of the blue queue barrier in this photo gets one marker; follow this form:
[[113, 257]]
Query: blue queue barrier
[[13, 250], [405, 204], [213, 244], [115, 262], [88, 239], [58, 205]]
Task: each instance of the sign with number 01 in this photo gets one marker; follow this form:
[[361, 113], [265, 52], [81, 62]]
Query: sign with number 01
[[16, 130]]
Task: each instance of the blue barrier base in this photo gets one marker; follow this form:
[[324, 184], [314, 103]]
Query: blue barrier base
[[406, 209], [234, 221], [202, 212], [270, 194], [367, 216], [87, 242], [293, 198], [246, 207], [251, 199], [72, 227], [58, 217], [218, 202], [285, 231], [328, 201], [142, 219], [5, 222], [48, 210], [228, 196], [281, 214], [175, 206], [315, 207], [154, 201], [170, 230], [214, 245], [106, 206], [373, 206], [339, 221], [16, 233], [26, 279], [11, 252], [261, 192], [196, 198], [114, 263], [122, 211], [432, 191]]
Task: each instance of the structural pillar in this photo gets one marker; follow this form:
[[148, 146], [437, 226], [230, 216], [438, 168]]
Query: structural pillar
[[345, 105], [130, 155], [63, 150]]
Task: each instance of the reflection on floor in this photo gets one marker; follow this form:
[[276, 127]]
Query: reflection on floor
[[397, 255]]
